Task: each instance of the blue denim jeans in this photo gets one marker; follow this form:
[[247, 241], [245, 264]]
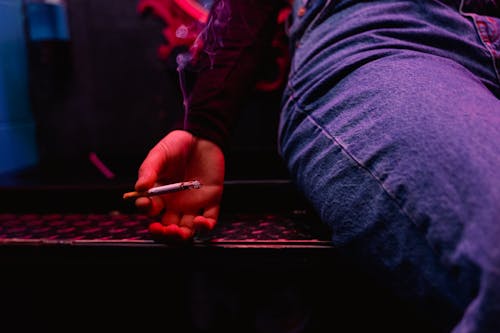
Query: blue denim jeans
[[391, 128]]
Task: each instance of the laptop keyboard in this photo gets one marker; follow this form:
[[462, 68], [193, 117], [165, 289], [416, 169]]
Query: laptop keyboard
[[117, 226]]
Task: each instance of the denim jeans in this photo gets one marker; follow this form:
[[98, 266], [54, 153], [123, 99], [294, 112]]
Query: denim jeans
[[391, 128]]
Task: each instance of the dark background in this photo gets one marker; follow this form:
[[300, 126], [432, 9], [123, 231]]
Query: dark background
[[106, 91]]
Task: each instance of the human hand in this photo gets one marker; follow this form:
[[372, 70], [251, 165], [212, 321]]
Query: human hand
[[180, 156]]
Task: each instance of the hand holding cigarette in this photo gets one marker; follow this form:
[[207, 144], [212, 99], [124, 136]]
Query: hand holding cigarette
[[180, 216], [175, 187]]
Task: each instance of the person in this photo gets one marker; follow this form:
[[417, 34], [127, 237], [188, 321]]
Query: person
[[390, 127]]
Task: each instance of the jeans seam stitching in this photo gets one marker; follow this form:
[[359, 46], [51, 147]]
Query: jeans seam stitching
[[350, 156]]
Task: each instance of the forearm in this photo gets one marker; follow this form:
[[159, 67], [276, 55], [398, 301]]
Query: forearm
[[229, 63]]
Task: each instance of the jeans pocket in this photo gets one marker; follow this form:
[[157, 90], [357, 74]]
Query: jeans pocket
[[487, 26]]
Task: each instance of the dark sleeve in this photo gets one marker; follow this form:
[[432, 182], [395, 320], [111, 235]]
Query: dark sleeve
[[234, 44]]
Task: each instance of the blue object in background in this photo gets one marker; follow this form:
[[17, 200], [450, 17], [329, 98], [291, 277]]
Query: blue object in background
[[46, 20], [17, 127]]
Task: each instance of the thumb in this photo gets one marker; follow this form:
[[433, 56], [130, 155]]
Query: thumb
[[145, 181], [150, 168], [175, 145]]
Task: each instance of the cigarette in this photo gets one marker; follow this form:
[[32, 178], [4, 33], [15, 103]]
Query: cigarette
[[175, 187]]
